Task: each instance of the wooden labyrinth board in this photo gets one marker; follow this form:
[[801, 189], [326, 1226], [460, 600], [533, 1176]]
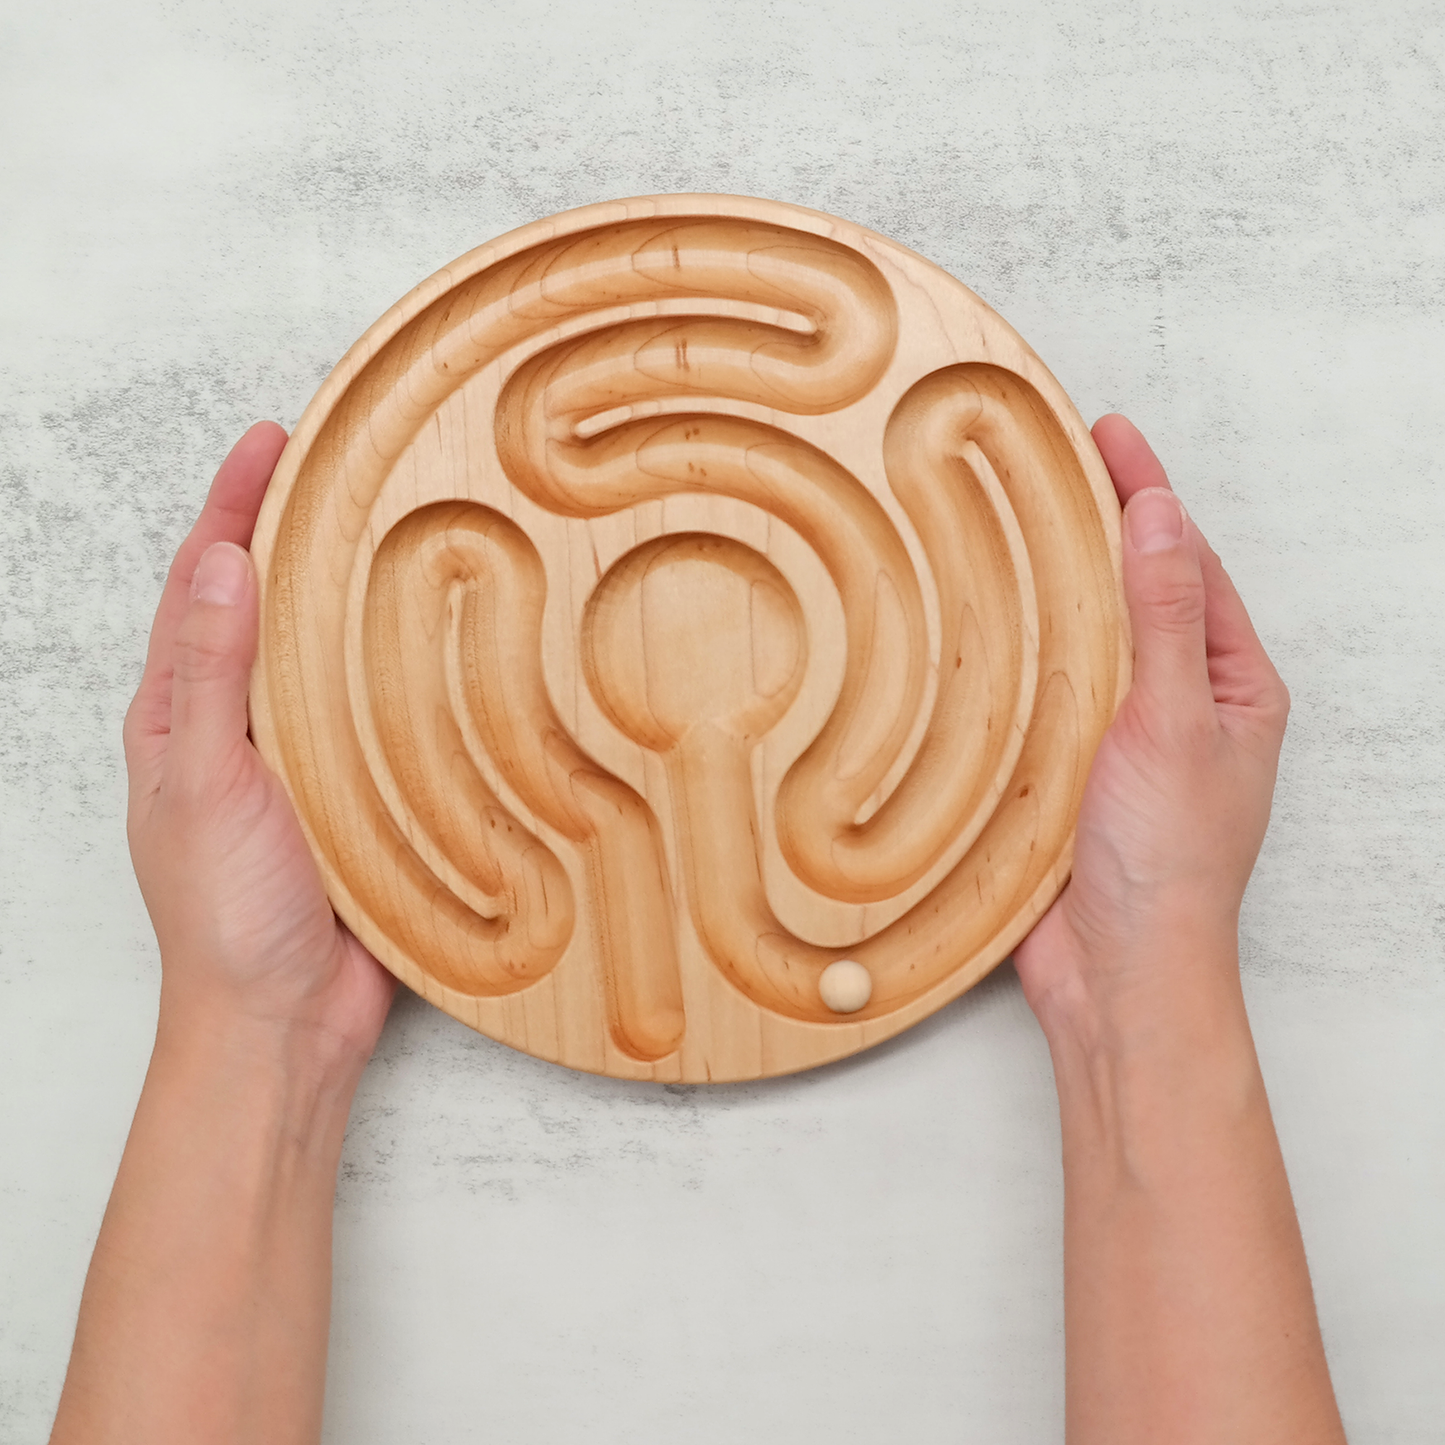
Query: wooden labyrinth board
[[670, 601]]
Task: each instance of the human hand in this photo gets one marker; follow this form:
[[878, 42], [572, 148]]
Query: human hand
[[1178, 797], [246, 934], [206, 1307]]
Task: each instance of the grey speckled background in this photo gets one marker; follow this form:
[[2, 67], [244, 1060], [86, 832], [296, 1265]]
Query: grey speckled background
[[1227, 219]]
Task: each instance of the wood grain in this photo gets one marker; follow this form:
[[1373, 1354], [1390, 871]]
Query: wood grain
[[671, 599]]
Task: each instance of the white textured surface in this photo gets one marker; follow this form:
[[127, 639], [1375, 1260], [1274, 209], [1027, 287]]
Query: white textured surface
[[1228, 223]]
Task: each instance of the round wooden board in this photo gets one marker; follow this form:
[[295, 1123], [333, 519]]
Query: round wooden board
[[671, 599]]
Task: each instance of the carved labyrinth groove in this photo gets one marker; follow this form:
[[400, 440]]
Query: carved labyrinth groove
[[675, 598]]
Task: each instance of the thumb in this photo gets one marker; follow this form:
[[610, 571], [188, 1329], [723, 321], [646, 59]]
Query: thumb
[[1164, 587], [214, 648]]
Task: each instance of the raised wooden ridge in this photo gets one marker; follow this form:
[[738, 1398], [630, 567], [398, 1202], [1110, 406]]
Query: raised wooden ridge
[[671, 599]]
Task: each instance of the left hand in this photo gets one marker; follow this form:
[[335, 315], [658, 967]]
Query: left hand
[[246, 934]]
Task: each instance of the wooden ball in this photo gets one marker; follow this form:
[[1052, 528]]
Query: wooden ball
[[845, 986], [675, 610]]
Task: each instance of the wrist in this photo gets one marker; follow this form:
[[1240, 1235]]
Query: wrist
[[1153, 1051], [300, 1073], [1150, 1109], [320, 1018], [1173, 983]]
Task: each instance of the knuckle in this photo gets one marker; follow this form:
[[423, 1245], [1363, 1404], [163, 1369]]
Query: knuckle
[[199, 657], [1197, 731], [183, 564], [1179, 724], [1176, 606], [140, 721], [1168, 726], [130, 726], [223, 787], [1275, 702]]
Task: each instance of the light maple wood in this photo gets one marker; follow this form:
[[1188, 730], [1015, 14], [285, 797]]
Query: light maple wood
[[670, 599]]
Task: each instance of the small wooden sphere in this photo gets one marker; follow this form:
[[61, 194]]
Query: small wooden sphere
[[845, 986], [686, 626]]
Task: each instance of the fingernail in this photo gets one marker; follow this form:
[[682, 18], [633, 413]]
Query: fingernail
[[220, 575], [1156, 520]]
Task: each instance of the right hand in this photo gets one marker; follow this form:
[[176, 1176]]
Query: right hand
[[1178, 797]]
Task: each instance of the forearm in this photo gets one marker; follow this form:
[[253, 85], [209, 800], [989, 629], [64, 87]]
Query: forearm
[[205, 1312], [1188, 1305]]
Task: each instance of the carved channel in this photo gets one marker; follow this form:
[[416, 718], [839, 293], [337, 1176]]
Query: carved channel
[[694, 646]]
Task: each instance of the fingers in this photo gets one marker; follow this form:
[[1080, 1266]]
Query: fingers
[[214, 647], [1191, 628], [1240, 671], [229, 515], [1164, 589], [1129, 458], [1163, 579]]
